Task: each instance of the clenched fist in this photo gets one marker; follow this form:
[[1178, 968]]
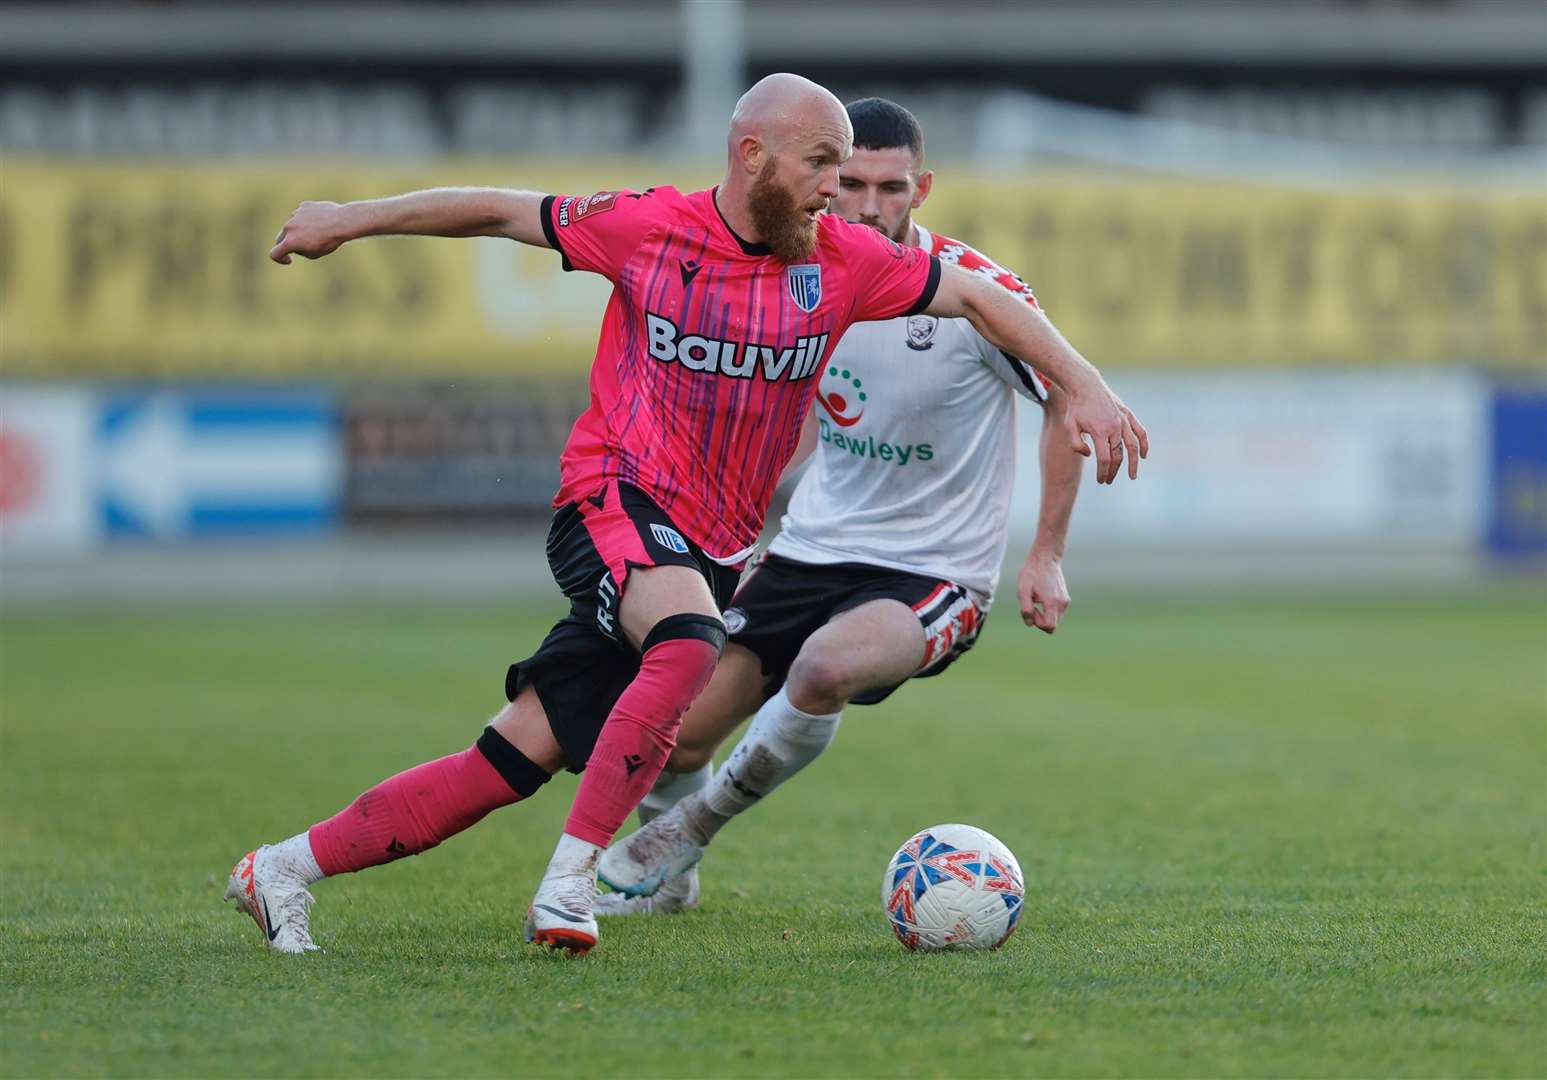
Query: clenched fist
[[1041, 590], [315, 229]]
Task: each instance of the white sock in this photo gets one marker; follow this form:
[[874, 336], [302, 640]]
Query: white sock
[[672, 788], [299, 859], [573, 856], [780, 741]]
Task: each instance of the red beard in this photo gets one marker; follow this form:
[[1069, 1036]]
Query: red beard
[[784, 227]]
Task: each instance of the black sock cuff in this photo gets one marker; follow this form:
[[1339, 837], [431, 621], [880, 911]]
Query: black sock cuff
[[523, 774], [690, 625]]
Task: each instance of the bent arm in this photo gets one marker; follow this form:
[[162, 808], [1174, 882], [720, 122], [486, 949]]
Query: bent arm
[[316, 229], [1021, 330], [1015, 326]]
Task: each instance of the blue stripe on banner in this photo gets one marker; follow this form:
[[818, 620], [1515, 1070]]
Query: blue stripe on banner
[[248, 412], [251, 519]]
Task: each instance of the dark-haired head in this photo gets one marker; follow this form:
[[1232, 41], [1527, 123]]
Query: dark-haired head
[[880, 124], [885, 179]]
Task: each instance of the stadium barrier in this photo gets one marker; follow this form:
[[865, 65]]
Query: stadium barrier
[[1439, 458], [115, 270]]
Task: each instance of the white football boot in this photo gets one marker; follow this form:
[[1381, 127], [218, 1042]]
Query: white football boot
[[561, 915], [675, 895], [275, 895], [641, 862]]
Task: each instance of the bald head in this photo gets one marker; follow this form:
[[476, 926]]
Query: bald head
[[788, 136], [783, 108]]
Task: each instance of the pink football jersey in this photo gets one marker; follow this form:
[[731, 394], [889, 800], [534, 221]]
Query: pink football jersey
[[711, 348]]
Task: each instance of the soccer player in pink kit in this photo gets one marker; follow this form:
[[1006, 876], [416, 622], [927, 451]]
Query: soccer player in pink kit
[[726, 304], [886, 563]]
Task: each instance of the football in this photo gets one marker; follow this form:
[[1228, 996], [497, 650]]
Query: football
[[953, 887]]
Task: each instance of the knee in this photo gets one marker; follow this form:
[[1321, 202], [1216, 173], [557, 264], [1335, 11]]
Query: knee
[[818, 683], [689, 757], [690, 645]]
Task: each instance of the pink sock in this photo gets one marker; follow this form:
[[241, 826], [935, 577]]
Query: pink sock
[[410, 812], [638, 737]]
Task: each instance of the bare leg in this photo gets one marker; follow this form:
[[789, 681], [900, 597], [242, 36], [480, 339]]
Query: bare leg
[[877, 644], [524, 725], [733, 694]]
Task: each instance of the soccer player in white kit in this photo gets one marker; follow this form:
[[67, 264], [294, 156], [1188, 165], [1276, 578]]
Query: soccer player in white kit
[[885, 564]]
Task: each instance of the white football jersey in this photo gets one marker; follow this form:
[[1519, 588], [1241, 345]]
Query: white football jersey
[[916, 455]]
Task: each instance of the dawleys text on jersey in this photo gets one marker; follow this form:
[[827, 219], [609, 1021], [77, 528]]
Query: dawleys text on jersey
[[916, 454]]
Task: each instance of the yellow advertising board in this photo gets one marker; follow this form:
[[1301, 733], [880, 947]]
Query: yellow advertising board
[[160, 269]]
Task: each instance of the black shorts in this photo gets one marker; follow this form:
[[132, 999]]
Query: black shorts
[[782, 602], [585, 662]]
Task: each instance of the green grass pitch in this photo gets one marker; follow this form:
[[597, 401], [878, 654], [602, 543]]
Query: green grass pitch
[[1292, 837]]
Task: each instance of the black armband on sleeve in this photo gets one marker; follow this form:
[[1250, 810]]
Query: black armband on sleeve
[[545, 214], [931, 286]]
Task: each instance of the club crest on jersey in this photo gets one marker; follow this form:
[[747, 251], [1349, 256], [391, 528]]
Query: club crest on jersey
[[805, 283], [921, 332], [668, 538]]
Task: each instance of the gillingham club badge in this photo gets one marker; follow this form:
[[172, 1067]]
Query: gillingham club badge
[[805, 282]]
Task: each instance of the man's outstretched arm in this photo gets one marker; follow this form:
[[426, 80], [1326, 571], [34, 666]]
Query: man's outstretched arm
[[1023, 331], [316, 229]]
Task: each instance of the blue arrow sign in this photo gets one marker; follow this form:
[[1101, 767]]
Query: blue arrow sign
[[176, 464]]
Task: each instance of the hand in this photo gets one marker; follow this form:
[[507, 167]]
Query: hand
[[1112, 427], [314, 230], [1043, 595]]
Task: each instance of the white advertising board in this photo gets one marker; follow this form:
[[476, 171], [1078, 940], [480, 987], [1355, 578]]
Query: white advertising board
[[81, 465], [1283, 457], [46, 446]]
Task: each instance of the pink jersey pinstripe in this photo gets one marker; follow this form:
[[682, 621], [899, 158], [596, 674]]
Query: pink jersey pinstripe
[[710, 350]]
